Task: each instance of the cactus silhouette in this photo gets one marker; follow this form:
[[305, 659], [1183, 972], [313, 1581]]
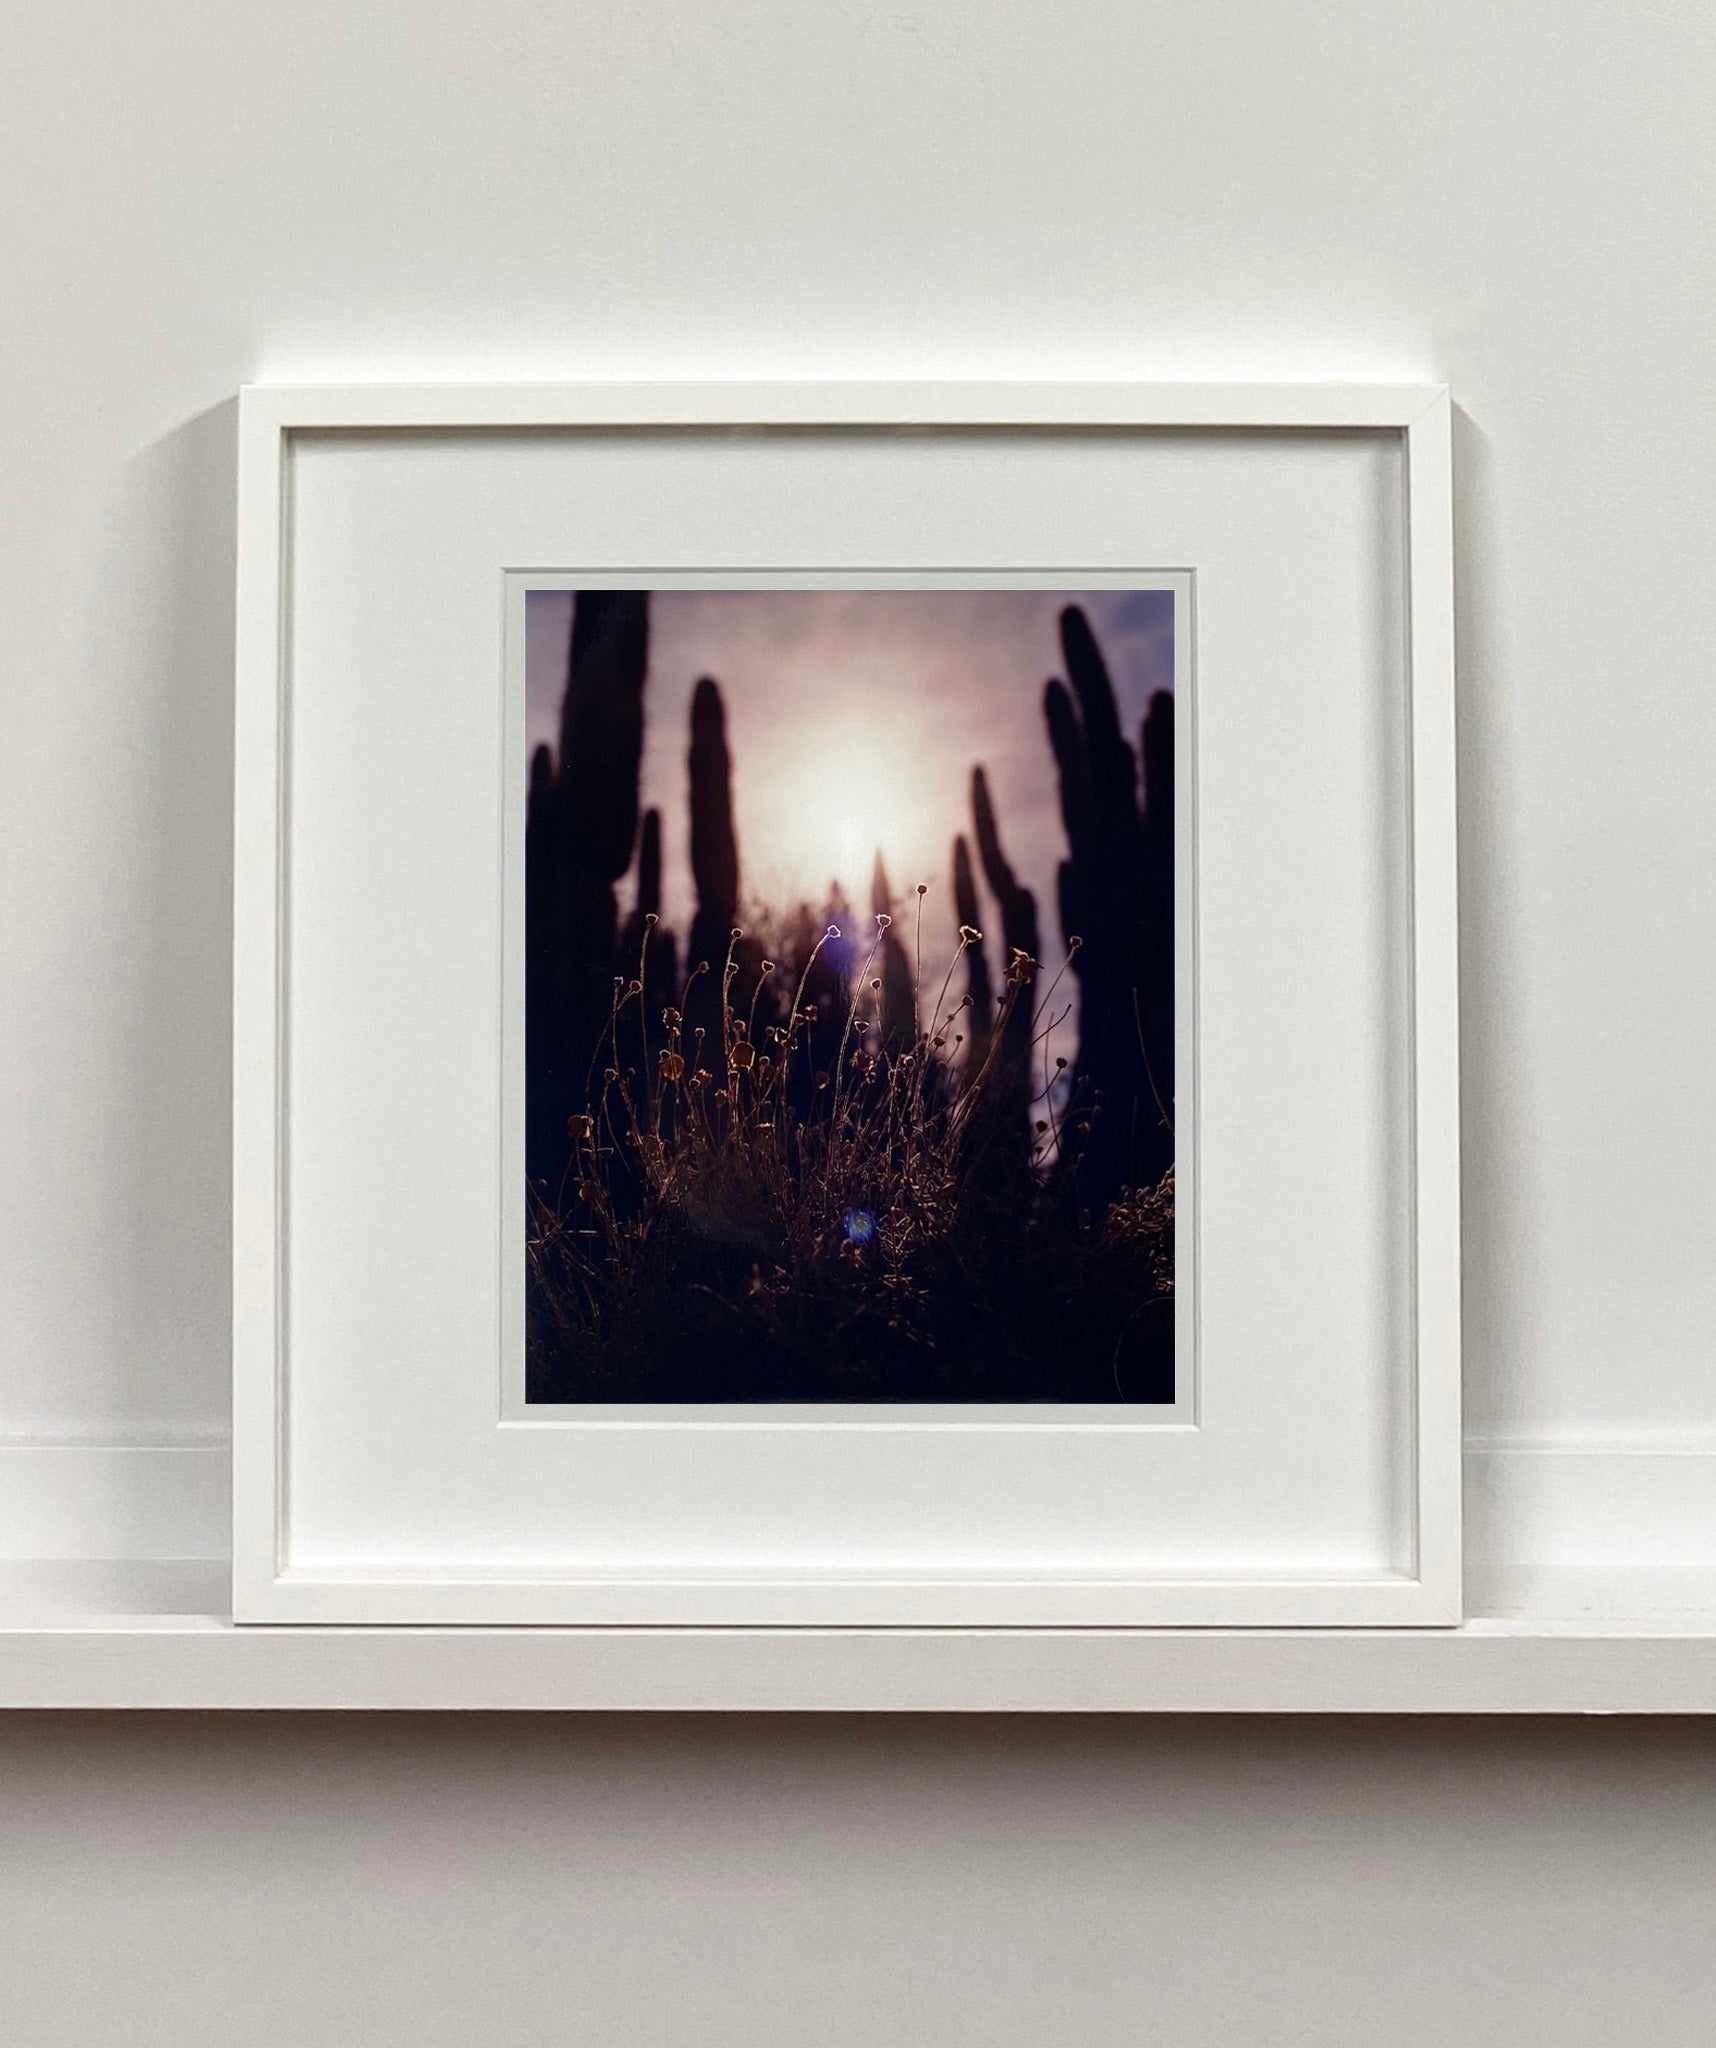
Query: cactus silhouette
[[601, 728], [648, 954], [818, 969], [1009, 1079], [581, 822], [1116, 891], [649, 866], [714, 848], [714, 870], [979, 1019], [897, 1008]]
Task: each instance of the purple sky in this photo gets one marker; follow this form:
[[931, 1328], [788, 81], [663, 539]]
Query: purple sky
[[855, 718]]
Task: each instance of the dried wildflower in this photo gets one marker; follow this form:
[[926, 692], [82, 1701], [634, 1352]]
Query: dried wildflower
[[860, 1192]]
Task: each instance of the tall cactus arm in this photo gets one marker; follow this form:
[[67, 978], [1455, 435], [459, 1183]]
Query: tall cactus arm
[[1113, 769], [1072, 765], [1009, 1082], [980, 1014], [1158, 749], [898, 1000], [714, 845], [601, 728], [649, 866], [1018, 905]]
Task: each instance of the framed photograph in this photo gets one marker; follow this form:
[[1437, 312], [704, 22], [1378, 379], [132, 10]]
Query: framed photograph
[[845, 1007]]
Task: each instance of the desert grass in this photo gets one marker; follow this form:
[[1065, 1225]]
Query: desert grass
[[749, 1216]]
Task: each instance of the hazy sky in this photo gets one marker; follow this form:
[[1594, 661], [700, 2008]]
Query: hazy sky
[[855, 718]]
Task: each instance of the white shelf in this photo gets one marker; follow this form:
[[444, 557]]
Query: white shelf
[[139, 1635], [1591, 1571]]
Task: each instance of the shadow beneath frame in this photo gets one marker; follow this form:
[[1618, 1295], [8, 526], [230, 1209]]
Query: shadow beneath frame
[[173, 601], [1495, 1087]]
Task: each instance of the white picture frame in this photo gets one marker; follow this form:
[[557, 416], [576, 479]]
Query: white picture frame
[[322, 1533]]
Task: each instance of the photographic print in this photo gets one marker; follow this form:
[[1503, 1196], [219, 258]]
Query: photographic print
[[849, 995]]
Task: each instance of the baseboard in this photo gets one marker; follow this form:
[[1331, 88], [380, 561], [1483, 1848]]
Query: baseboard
[[73, 1498]]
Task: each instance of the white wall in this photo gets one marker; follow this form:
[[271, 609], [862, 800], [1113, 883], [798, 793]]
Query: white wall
[[439, 1883], [1515, 195]]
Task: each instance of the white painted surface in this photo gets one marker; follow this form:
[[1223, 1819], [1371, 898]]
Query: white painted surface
[[1236, 192], [137, 1636], [427, 1882], [1514, 198]]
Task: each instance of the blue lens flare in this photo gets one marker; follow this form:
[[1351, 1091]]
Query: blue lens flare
[[860, 1226]]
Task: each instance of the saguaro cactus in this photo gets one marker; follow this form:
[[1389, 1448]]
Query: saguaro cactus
[[1117, 900], [1010, 1063], [714, 868], [581, 823], [647, 951], [980, 1011], [898, 1006], [601, 728], [649, 866]]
